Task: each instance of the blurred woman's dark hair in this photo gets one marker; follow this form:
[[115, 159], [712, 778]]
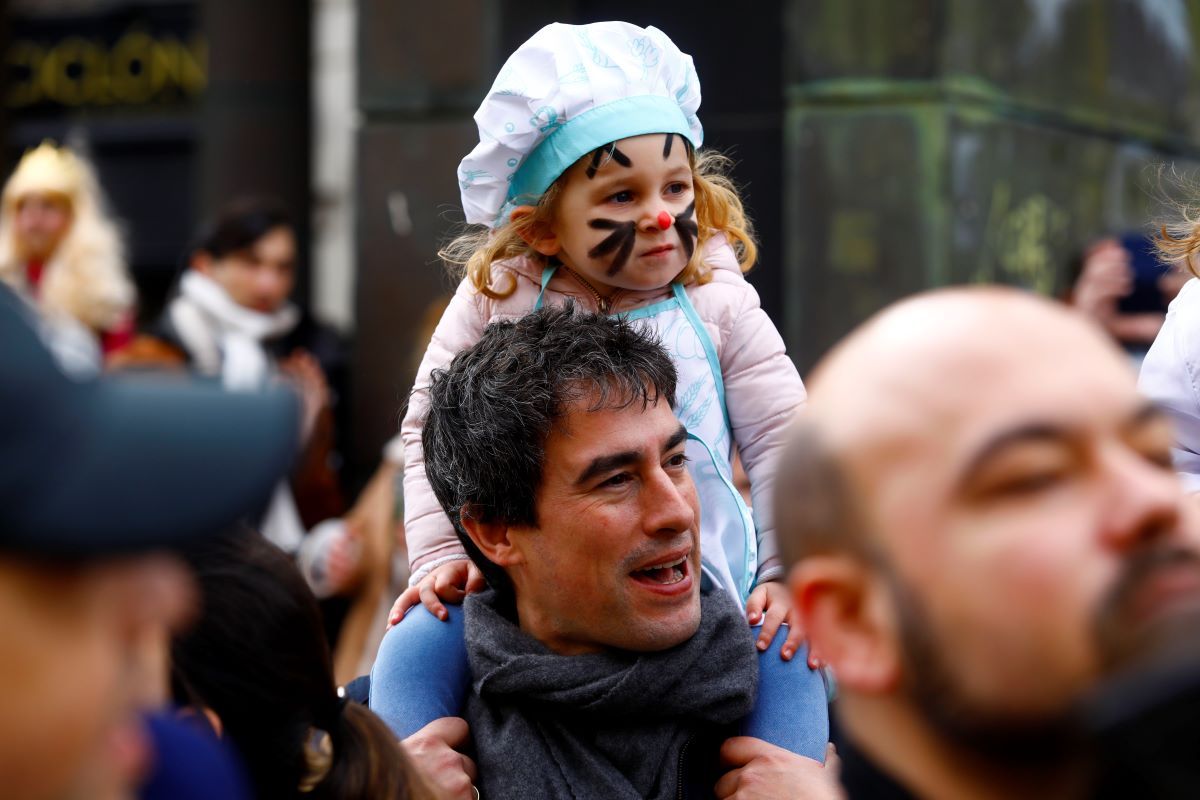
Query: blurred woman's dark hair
[[257, 657], [240, 224]]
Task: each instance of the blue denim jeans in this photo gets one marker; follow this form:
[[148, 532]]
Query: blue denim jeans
[[421, 674]]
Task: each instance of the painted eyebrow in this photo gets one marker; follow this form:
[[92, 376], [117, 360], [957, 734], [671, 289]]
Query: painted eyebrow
[[607, 463]]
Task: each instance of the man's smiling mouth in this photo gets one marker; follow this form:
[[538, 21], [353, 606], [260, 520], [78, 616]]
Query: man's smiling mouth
[[666, 573]]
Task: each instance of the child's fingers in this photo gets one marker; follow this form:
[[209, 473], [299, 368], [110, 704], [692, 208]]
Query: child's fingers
[[754, 605], [475, 580], [445, 586], [430, 600], [795, 637], [407, 599], [772, 619]]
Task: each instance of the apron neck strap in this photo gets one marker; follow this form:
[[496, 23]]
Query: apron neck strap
[[547, 274]]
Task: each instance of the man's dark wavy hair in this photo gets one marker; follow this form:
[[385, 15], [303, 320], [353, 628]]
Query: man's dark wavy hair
[[492, 409]]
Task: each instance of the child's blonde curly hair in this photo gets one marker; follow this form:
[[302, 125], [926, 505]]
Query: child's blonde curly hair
[[718, 210], [1178, 242], [1178, 239]]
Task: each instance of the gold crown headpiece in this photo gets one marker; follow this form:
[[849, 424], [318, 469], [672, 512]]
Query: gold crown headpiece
[[46, 168]]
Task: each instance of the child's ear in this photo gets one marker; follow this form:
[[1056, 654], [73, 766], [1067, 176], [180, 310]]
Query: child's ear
[[540, 237]]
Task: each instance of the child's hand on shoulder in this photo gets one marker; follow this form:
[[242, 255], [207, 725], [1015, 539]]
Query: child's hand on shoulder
[[450, 582], [771, 604]]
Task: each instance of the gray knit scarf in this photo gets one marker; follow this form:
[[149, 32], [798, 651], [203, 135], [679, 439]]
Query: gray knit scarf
[[606, 725]]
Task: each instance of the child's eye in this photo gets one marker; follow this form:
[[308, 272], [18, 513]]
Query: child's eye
[[677, 188], [625, 196]]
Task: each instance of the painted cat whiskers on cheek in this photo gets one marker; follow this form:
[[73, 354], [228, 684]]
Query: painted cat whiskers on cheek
[[622, 240], [685, 225]]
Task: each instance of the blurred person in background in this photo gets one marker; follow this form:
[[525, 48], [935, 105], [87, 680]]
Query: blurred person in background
[[974, 555], [232, 319], [377, 516], [257, 667], [1121, 283], [99, 481], [1168, 374], [61, 251]]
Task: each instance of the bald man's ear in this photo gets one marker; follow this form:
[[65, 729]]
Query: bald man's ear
[[540, 237], [848, 620], [492, 538]]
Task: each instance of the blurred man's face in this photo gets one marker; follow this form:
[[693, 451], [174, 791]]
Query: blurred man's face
[[615, 559], [259, 277], [1032, 530], [74, 673], [42, 220]]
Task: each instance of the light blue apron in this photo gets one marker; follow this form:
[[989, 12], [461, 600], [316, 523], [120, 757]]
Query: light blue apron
[[728, 543]]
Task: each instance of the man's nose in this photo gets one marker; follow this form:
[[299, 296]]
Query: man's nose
[[1143, 501], [666, 504]]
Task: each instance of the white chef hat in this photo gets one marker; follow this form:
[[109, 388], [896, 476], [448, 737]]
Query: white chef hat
[[562, 94]]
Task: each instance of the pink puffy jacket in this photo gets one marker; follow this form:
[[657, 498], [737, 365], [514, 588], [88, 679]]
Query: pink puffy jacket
[[762, 388]]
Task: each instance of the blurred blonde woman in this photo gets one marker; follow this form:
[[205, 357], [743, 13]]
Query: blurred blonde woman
[[63, 253]]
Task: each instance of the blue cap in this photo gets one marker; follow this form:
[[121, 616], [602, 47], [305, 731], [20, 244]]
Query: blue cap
[[121, 465]]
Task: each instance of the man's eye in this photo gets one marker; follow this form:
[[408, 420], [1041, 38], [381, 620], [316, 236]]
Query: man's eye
[[620, 479], [1029, 483], [678, 460], [621, 197]]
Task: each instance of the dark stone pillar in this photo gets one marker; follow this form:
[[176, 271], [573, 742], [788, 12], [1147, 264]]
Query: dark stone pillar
[[254, 124]]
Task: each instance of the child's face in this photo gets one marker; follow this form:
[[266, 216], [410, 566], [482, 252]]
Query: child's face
[[626, 217]]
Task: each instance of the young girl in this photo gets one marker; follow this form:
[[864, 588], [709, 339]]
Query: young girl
[[591, 188]]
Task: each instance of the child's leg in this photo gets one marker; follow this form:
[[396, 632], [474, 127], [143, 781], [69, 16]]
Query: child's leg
[[421, 672], [791, 709]]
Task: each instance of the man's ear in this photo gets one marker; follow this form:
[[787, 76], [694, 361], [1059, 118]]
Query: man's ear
[[492, 538], [541, 237], [849, 622]]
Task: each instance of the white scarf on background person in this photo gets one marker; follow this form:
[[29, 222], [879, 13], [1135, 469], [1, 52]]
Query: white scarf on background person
[[226, 339]]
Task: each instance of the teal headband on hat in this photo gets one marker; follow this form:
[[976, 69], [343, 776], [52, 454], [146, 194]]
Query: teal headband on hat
[[575, 138]]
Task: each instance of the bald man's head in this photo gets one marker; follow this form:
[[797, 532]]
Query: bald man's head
[[977, 489], [895, 380]]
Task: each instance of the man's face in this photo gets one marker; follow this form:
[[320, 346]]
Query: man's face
[[1029, 523], [41, 222], [615, 559], [259, 277], [74, 673]]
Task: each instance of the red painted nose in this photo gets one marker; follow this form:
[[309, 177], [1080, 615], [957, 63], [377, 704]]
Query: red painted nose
[[664, 220]]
